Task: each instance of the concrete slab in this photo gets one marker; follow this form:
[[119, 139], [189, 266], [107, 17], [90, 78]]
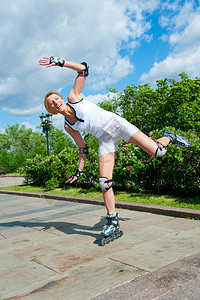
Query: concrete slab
[[155, 253], [84, 281], [179, 280], [53, 252], [21, 276]]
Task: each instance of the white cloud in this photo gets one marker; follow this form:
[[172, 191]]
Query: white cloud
[[114, 71], [186, 61], [8, 86], [2, 130], [96, 98], [28, 125], [58, 121], [23, 112], [190, 36], [184, 16], [185, 48], [89, 30], [175, 13]]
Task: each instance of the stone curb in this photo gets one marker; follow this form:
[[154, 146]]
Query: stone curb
[[7, 176], [155, 209]]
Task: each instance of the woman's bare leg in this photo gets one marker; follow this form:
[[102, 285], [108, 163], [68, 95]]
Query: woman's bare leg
[[148, 145], [106, 166]]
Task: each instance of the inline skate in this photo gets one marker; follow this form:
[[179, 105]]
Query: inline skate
[[111, 230], [177, 139]]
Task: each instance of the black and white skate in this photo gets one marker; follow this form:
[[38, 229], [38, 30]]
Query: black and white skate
[[107, 239], [177, 139], [111, 231]]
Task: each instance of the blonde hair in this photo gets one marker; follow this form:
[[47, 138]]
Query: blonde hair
[[46, 104]]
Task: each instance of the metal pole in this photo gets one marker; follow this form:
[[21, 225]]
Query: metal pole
[[47, 141], [46, 126]]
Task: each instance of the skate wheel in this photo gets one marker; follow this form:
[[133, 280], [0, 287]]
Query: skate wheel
[[103, 242], [112, 238]]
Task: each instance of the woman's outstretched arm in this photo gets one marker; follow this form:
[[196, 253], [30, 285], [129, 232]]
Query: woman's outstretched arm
[[83, 151], [81, 68], [55, 61]]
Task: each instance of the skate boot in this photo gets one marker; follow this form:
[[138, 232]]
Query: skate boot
[[177, 139], [111, 230]]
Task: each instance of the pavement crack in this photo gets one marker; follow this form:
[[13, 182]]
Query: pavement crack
[[3, 236], [123, 263], [39, 263]]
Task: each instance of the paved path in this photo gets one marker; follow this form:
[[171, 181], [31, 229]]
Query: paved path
[[50, 249], [10, 181]]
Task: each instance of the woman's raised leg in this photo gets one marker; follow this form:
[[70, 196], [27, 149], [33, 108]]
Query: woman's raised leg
[[147, 144]]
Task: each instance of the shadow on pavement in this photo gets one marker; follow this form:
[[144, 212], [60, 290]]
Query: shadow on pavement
[[65, 227]]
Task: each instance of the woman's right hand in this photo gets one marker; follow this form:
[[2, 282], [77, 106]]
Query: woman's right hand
[[45, 61], [75, 177]]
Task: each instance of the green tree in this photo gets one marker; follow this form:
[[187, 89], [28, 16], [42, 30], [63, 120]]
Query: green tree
[[19, 143], [38, 145], [137, 104], [59, 140], [172, 103], [4, 158], [112, 103]]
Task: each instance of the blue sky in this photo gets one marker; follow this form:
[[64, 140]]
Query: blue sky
[[124, 41]]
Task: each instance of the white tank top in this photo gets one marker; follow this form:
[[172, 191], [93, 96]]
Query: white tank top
[[90, 117]]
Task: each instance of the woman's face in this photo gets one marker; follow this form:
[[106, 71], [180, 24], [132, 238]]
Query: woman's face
[[56, 104]]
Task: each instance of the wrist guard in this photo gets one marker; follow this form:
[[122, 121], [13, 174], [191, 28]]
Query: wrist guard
[[57, 61], [84, 72], [84, 150], [78, 174]]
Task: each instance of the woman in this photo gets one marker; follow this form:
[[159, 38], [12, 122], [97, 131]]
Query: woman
[[107, 127]]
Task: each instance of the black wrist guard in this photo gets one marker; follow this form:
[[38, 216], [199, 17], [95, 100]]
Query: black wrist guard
[[78, 174], [84, 150], [84, 72], [57, 61]]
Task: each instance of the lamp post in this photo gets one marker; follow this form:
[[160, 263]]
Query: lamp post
[[46, 121]]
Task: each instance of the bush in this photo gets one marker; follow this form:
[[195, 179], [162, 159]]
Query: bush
[[176, 173]]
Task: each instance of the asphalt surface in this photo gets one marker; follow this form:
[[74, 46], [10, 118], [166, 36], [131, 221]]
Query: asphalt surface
[[50, 249]]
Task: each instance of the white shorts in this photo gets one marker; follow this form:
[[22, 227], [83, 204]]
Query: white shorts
[[118, 129]]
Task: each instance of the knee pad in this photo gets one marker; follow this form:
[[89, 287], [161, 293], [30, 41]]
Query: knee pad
[[103, 183], [161, 150]]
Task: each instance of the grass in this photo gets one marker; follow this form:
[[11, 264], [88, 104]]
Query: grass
[[12, 174], [166, 200]]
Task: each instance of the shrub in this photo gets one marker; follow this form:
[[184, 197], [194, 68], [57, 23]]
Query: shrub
[[176, 173]]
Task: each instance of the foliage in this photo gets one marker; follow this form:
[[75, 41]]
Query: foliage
[[137, 106], [12, 160], [177, 173], [53, 171], [172, 103], [91, 141], [19, 143], [112, 102]]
